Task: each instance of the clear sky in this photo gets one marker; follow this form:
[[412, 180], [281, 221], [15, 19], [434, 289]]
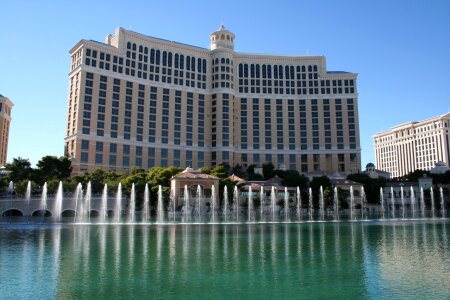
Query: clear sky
[[400, 49]]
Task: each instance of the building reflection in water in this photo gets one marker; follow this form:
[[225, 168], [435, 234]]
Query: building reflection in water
[[397, 259]]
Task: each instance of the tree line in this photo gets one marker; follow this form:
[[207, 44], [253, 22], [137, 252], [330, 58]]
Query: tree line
[[52, 170]]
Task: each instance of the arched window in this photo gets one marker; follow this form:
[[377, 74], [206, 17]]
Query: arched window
[[241, 70], [280, 70], [315, 68], [298, 69], [181, 61], [303, 69], [275, 72], [199, 65], [263, 71], [228, 37], [217, 61], [257, 71], [222, 60], [176, 60], [204, 66], [169, 59], [145, 50], [227, 61], [286, 71], [158, 55], [222, 37], [141, 48], [188, 62], [164, 58], [245, 70], [152, 56], [269, 71], [134, 47], [193, 64], [292, 72], [252, 71], [309, 68], [128, 45]]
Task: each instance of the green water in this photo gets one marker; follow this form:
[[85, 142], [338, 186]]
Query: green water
[[349, 260]]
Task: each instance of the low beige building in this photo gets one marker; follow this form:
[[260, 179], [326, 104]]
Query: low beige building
[[5, 120], [189, 182]]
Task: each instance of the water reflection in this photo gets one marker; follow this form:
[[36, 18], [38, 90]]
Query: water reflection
[[388, 260]]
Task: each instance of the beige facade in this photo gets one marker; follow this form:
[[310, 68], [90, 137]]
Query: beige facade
[[141, 101], [5, 120], [414, 145]]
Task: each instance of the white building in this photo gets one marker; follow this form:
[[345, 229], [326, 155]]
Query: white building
[[414, 145]]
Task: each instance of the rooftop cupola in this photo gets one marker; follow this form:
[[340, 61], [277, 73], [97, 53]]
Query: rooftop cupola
[[222, 38]]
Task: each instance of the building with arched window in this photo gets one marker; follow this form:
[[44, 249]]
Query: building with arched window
[[137, 100]]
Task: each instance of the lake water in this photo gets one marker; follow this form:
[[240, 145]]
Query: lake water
[[338, 260]]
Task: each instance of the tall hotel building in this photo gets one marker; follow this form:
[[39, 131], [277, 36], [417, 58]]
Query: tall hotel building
[[5, 120], [142, 101], [414, 145]]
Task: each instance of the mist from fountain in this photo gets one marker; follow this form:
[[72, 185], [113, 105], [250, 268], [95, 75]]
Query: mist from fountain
[[187, 205], [310, 204], [273, 200], [422, 202], [44, 199], [402, 197], [199, 200], [104, 204], [299, 204], [213, 202], [146, 208], [392, 202], [57, 210], [160, 205], [132, 206], [118, 210], [87, 201], [413, 202], [172, 202], [225, 201], [433, 207], [286, 204], [77, 198], [321, 205], [262, 200], [352, 204], [363, 202], [441, 193], [236, 202], [382, 203], [250, 203], [336, 204]]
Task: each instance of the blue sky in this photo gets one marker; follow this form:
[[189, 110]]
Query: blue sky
[[400, 49]]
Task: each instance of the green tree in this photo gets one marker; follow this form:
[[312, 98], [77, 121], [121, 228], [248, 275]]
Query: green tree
[[268, 170], [51, 167], [239, 171], [138, 177], [251, 175], [221, 171], [292, 178], [19, 169], [161, 176]]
